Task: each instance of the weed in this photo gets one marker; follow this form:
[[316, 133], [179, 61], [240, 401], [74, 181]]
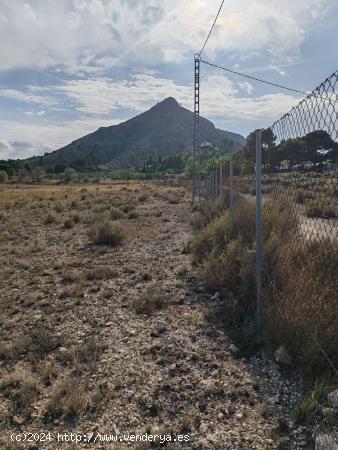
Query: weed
[[99, 273], [116, 213], [68, 401], [106, 233], [48, 371], [150, 301], [22, 388], [50, 218], [59, 208], [143, 197], [307, 408], [43, 341], [133, 214], [68, 223], [85, 356]]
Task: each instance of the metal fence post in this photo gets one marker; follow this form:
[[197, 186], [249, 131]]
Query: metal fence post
[[215, 171], [212, 185], [221, 179], [258, 232], [217, 181], [231, 181]]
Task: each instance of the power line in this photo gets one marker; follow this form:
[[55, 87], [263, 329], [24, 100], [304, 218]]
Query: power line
[[254, 78], [211, 29]]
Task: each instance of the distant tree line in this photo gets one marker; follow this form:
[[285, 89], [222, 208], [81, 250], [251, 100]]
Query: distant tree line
[[313, 150]]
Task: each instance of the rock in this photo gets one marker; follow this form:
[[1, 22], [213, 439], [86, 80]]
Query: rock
[[172, 370], [326, 442], [130, 395], [233, 348], [63, 350], [329, 412], [203, 428], [332, 398], [282, 356], [284, 443], [134, 421], [18, 420]]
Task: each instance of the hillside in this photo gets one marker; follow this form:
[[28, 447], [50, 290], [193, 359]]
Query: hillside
[[164, 129]]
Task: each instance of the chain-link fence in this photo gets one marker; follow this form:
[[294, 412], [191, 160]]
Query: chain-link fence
[[297, 251]]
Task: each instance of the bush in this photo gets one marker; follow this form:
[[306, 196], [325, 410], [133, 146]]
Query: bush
[[129, 205], [116, 213], [75, 218], [106, 233], [3, 176], [68, 401], [299, 279], [22, 388], [321, 211], [133, 214], [150, 301], [299, 305], [68, 223], [59, 208], [49, 219], [143, 197], [236, 223], [69, 175]]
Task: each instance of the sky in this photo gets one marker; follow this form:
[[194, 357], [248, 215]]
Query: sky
[[69, 67]]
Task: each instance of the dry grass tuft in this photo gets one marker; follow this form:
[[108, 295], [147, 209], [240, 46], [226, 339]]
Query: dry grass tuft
[[22, 388], [68, 401], [150, 301], [106, 233]]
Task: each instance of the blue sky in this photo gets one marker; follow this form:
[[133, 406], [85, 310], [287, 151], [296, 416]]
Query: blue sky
[[71, 66]]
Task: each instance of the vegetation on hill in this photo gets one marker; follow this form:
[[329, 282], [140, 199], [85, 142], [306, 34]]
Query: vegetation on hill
[[163, 130]]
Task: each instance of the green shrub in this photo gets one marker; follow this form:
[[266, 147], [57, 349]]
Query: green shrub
[[133, 214], [143, 197], [321, 211], [68, 223], [308, 408], [68, 401], [49, 219], [299, 279], [116, 213], [150, 301], [75, 218], [59, 208], [106, 233], [236, 223], [3, 176], [129, 205]]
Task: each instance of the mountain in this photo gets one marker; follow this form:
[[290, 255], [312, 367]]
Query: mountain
[[164, 129]]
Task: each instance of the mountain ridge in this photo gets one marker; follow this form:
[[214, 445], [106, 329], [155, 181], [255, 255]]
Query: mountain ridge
[[164, 129]]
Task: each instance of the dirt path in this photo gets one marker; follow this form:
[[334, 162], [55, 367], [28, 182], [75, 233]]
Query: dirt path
[[171, 372]]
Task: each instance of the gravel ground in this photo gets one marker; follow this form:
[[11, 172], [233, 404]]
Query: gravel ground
[[116, 370]]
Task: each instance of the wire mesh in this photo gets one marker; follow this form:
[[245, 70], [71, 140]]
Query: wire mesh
[[300, 236], [300, 239]]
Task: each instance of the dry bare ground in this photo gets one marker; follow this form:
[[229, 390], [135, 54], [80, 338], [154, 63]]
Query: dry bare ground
[[115, 339]]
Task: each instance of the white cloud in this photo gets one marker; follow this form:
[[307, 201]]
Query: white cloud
[[27, 97], [101, 96], [219, 97], [220, 102], [246, 86], [90, 36], [36, 138]]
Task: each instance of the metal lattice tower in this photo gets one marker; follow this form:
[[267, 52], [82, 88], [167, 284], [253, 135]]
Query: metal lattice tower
[[196, 150]]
